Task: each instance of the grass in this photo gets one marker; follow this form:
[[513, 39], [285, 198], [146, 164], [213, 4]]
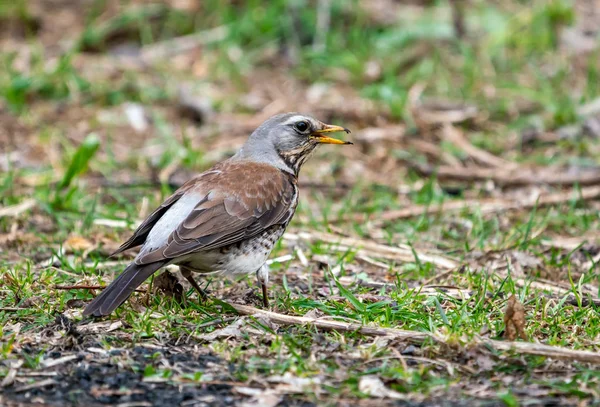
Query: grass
[[85, 169]]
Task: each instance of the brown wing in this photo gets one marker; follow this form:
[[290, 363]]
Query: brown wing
[[239, 201], [141, 233]]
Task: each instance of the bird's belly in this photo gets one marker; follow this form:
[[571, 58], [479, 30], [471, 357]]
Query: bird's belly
[[239, 259]]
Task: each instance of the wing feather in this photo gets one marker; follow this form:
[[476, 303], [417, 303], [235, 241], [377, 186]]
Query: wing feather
[[239, 202], [141, 233]]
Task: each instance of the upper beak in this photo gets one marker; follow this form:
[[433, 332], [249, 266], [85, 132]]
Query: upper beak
[[319, 136]]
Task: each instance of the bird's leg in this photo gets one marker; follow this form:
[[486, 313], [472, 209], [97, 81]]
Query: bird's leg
[[187, 273], [262, 274]]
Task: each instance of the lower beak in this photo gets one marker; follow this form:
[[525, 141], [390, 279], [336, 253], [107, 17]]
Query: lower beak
[[320, 137]]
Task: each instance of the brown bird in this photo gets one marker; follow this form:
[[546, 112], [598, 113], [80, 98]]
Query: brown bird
[[226, 220]]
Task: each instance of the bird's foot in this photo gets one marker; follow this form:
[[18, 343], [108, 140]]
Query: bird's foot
[[265, 296]]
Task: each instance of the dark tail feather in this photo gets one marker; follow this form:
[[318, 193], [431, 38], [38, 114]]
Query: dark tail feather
[[120, 289]]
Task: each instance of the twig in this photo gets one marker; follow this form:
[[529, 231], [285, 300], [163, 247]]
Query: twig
[[281, 259], [456, 137], [104, 264], [217, 321], [465, 294], [539, 349], [12, 373], [585, 301], [318, 185], [571, 242], [183, 44], [111, 223], [368, 248], [431, 113], [59, 361], [435, 151], [350, 281], [438, 277], [558, 291], [485, 206], [88, 287], [65, 272], [450, 367], [425, 289], [374, 262], [37, 374], [96, 327], [420, 337], [511, 178], [368, 298], [16, 210], [417, 337], [36, 385]]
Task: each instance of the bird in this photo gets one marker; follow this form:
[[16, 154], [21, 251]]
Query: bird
[[226, 220]]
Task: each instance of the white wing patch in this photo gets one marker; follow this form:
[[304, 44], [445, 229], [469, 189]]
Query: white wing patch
[[169, 221]]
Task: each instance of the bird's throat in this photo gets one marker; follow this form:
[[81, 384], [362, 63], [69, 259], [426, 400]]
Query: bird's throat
[[294, 159]]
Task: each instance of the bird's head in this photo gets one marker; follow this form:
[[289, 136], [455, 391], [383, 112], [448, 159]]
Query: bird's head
[[290, 138]]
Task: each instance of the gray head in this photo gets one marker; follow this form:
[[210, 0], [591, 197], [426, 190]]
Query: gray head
[[287, 140]]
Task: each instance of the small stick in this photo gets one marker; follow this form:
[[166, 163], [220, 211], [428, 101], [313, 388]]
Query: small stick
[[485, 206], [418, 337], [36, 385], [369, 248], [528, 348], [55, 362], [456, 137], [438, 276], [16, 210], [88, 287], [518, 176]]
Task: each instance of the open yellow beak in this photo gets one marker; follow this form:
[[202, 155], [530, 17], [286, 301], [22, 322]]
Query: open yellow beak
[[319, 135]]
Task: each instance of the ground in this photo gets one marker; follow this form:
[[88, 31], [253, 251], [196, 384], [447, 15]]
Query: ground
[[447, 258]]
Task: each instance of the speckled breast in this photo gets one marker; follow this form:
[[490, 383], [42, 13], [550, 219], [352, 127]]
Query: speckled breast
[[241, 258]]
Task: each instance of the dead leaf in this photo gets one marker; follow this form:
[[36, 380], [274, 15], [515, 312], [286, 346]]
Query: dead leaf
[[76, 303], [373, 386], [288, 383], [76, 244], [514, 319], [236, 330], [168, 284], [32, 302], [12, 373], [100, 327]]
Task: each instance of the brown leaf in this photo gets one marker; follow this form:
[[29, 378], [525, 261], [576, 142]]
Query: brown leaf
[[168, 284], [32, 302], [77, 243], [514, 319], [75, 303]]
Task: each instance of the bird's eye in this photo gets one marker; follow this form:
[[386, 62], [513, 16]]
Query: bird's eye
[[301, 126]]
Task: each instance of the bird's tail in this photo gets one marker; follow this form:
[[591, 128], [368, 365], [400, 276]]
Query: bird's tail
[[121, 288]]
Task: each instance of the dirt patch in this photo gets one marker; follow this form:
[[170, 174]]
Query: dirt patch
[[118, 377]]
